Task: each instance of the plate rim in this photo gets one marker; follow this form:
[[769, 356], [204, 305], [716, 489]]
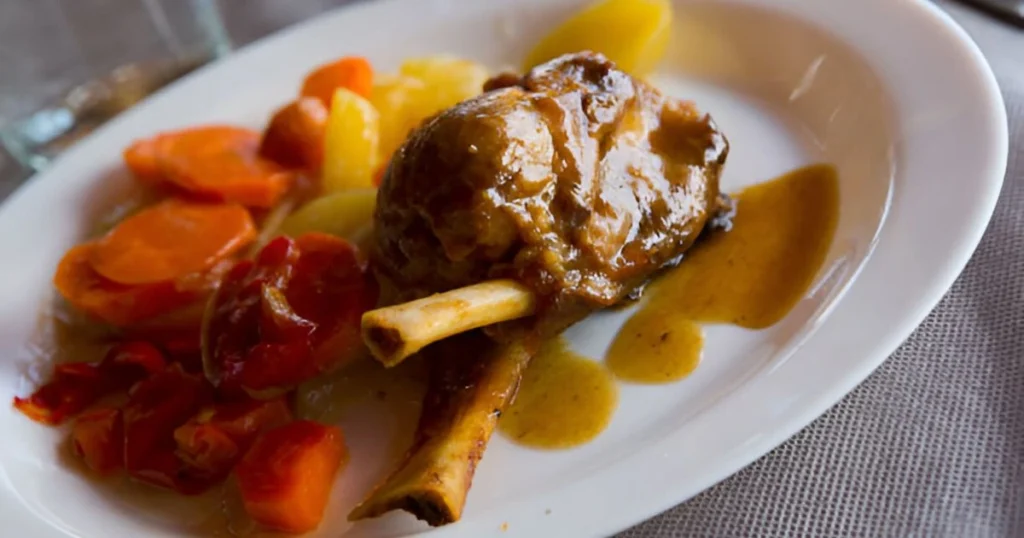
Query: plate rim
[[617, 520]]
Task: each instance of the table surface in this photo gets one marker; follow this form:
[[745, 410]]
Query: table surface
[[932, 444]]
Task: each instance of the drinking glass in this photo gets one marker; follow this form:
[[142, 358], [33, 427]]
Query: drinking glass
[[67, 66]]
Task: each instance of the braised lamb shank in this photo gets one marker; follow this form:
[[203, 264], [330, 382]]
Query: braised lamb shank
[[576, 182]]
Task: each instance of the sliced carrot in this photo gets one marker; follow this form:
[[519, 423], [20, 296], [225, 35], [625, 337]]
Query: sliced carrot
[[171, 240], [294, 138], [109, 301], [215, 162], [351, 72], [286, 477], [141, 158]]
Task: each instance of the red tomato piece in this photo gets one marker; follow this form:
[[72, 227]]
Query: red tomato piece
[[270, 368], [294, 138], [216, 438], [155, 408], [332, 289], [176, 333], [98, 438], [292, 314], [129, 362], [235, 325], [73, 387], [287, 476]]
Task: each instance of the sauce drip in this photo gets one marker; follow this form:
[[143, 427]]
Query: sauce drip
[[564, 400], [750, 276], [656, 345]]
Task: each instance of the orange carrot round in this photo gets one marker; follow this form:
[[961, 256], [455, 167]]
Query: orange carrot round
[[111, 302], [142, 159], [222, 162], [171, 240], [351, 72], [216, 162]]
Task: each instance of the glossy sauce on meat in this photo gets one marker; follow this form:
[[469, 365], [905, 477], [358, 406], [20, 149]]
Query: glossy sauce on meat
[[578, 181]]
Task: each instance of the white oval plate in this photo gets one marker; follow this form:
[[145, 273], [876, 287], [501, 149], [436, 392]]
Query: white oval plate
[[893, 93]]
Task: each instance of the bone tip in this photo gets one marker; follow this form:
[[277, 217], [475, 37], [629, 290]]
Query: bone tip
[[429, 507], [386, 344]]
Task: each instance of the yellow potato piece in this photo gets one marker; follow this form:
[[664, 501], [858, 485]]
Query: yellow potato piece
[[341, 213], [350, 143], [422, 88], [394, 97], [632, 33], [447, 80]]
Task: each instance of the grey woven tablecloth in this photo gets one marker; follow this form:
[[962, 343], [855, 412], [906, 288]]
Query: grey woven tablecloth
[[932, 444]]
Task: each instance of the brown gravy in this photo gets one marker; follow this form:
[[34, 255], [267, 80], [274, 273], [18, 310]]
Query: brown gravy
[[750, 276], [564, 400]]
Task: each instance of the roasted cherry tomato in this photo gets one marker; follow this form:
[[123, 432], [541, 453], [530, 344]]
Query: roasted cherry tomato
[[294, 138], [75, 386], [129, 362], [217, 437], [156, 407], [98, 438], [288, 316]]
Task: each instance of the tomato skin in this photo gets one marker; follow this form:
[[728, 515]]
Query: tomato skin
[[155, 408], [98, 439], [129, 362], [290, 315], [217, 437], [75, 386], [332, 289], [294, 138]]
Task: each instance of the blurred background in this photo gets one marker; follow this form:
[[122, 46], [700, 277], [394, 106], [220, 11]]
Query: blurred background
[[66, 66]]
